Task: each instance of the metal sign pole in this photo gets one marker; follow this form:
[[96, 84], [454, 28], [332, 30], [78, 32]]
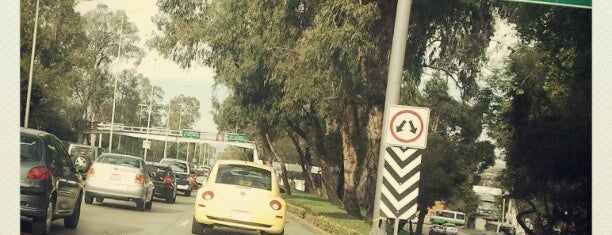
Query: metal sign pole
[[396, 65]]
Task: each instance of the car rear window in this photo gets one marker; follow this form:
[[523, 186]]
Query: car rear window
[[82, 151], [246, 176], [177, 167], [31, 148], [160, 171], [119, 160]]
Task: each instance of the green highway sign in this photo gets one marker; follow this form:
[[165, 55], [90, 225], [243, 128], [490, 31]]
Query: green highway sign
[[567, 3], [237, 137], [190, 134]]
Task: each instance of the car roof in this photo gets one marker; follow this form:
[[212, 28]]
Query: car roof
[[33, 131], [245, 163], [118, 154], [157, 164], [173, 159]]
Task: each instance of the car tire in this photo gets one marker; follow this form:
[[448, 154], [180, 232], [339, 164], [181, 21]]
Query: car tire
[[42, 225], [281, 233], [88, 199], [140, 204], [196, 228], [188, 193], [72, 221], [149, 204], [99, 199], [172, 198]]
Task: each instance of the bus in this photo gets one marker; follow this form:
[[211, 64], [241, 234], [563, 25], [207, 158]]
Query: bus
[[447, 216]]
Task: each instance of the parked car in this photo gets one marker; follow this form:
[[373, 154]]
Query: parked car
[[164, 181], [51, 186], [450, 229], [436, 229], [184, 174], [240, 194], [119, 177]]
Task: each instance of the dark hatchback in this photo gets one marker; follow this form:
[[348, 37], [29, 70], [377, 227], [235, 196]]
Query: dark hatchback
[[51, 187], [164, 181]]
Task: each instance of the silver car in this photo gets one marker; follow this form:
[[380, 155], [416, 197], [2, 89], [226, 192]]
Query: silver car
[[119, 177]]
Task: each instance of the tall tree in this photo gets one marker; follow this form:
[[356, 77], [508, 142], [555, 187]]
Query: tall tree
[[544, 120]]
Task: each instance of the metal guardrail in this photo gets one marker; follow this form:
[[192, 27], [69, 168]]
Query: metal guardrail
[[138, 129]]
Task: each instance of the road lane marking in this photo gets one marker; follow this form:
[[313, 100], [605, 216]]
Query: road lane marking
[[185, 223]]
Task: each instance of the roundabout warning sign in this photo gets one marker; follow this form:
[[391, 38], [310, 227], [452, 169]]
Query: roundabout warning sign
[[407, 126]]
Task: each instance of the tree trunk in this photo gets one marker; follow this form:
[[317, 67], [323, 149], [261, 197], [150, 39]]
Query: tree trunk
[[367, 180], [281, 161], [329, 182], [349, 131], [306, 164]]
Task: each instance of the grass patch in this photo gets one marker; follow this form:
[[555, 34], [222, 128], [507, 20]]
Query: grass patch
[[325, 215]]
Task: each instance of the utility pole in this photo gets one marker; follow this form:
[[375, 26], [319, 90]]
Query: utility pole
[[149, 122], [396, 65], [178, 142]]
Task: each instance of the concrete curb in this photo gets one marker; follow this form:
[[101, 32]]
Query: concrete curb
[[306, 224]]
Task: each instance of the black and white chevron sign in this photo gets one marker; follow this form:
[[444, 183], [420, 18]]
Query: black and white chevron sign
[[400, 182]]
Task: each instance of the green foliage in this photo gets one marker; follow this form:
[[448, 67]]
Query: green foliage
[[545, 116]]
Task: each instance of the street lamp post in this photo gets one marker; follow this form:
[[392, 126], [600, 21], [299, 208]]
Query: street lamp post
[[110, 142], [148, 123], [27, 110], [167, 130], [178, 142]]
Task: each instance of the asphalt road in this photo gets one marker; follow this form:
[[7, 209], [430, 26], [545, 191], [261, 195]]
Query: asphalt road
[[119, 217]]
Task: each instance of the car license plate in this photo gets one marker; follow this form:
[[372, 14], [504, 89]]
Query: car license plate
[[241, 215], [181, 187], [115, 177]]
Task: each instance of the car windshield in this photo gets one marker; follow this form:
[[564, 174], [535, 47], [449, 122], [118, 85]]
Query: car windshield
[[246, 176], [120, 160], [31, 148]]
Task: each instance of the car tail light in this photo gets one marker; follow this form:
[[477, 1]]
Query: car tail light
[[167, 180], [139, 179], [276, 205], [39, 173], [90, 172], [208, 195]]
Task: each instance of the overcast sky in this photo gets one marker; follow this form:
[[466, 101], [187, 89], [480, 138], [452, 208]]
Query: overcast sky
[[196, 82]]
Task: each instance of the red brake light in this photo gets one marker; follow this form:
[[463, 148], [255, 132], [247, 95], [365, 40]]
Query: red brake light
[[208, 195], [90, 172], [167, 180], [276, 205], [139, 179], [39, 173]]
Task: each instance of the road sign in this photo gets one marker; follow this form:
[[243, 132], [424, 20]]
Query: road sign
[[232, 137], [220, 137], [400, 187], [407, 126], [190, 134], [567, 3]]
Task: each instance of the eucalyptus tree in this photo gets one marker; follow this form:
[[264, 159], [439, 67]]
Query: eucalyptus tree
[[99, 61], [543, 118], [59, 36]]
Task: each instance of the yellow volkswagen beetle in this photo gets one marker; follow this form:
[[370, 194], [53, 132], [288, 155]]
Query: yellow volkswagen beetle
[[240, 194]]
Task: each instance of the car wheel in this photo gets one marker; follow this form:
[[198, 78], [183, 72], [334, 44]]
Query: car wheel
[[42, 225], [88, 199], [281, 233], [199, 228], [149, 204], [188, 193], [81, 162], [72, 221], [140, 204], [99, 199], [172, 198]]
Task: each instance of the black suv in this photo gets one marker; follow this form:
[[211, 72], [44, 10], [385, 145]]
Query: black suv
[[164, 181], [51, 186]]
